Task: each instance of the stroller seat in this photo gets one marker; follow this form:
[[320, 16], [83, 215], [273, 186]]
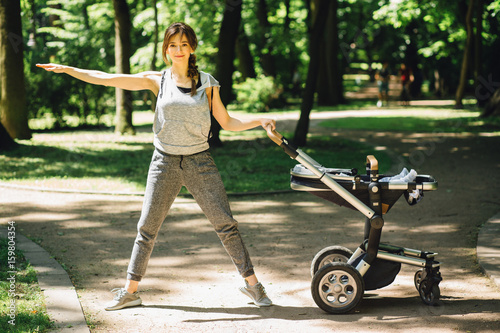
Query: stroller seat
[[304, 180]]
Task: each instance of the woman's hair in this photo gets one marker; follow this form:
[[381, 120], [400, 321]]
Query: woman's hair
[[184, 30]]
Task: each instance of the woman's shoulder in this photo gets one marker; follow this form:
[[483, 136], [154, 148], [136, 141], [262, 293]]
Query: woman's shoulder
[[207, 80]]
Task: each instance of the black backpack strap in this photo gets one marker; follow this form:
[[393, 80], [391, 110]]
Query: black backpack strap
[[211, 99], [161, 84], [212, 119]]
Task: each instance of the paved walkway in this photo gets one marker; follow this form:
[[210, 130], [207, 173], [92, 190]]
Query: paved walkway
[[386, 311], [64, 307]]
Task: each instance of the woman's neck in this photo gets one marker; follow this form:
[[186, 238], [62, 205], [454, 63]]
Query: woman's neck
[[180, 71], [179, 75]]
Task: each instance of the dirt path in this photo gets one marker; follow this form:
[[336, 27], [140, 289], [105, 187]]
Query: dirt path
[[191, 286]]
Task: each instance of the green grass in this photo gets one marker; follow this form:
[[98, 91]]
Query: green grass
[[100, 161], [31, 315], [420, 121], [260, 165]]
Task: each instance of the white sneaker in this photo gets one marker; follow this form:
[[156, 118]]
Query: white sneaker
[[122, 299], [257, 293]]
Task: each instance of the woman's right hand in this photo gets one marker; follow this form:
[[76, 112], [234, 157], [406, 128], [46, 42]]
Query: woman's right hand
[[54, 67]]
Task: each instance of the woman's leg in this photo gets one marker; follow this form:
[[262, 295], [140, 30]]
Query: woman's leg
[[203, 181], [163, 185]]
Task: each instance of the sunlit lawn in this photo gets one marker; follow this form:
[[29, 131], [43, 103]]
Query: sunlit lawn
[[99, 160]]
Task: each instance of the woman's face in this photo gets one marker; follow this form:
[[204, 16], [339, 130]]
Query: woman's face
[[179, 49]]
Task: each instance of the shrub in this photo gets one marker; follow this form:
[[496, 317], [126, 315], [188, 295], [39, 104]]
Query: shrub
[[257, 95]]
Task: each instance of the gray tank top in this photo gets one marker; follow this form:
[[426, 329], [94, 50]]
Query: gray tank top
[[182, 122]]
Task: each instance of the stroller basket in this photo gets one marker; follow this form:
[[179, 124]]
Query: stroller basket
[[303, 180]]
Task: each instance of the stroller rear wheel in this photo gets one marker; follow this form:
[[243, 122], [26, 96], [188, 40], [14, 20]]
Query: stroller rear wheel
[[431, 296], [337, 287], [330, 255]]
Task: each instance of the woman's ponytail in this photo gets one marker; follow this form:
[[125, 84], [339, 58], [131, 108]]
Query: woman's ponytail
[[193, 72]]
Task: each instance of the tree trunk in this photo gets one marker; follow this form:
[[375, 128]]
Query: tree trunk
[[6, 142], [122, 60], [316, 37], [266, 58], [155, 51], [329, 90], [224, 73], [478, 46], [465, 61], [245, 58], [492, 107], [13, 112]]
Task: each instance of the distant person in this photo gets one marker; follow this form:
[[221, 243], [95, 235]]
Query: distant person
[[186, 97], [383, 77], [405, 77]]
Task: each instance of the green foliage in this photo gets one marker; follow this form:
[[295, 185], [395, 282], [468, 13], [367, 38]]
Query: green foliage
[[257, 95], [81, 33]]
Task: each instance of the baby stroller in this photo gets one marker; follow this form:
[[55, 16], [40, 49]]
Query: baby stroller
[[340, 276]]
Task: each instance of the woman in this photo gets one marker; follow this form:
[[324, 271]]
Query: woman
[[181, 128]]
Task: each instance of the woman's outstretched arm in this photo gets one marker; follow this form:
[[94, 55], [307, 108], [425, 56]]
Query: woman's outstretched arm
[[234, 124], [140, 81]]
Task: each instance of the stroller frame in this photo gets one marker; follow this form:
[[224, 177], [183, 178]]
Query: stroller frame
[[338, 282]]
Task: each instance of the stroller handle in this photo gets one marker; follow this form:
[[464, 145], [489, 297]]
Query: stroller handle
[[282, 142], [274, 135]]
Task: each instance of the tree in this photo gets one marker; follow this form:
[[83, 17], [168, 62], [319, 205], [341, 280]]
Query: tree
[[330, 90], [123, 48], [319, 15], [466, 57], [6, 142], [13, 112], [225, 68], [265, 41], [244, 55]]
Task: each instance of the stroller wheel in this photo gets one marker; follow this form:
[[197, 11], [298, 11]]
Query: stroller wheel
[[431, 296], [419, 276], [337, 288], [330, 255]]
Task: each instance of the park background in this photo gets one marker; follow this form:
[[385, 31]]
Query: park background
[[59, 133], [289, 58], [254, 48]]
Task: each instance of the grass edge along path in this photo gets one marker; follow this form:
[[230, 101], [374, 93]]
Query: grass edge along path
[[22, 302]]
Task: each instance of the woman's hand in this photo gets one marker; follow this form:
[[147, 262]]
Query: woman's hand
[[54, 67], [266, 122]]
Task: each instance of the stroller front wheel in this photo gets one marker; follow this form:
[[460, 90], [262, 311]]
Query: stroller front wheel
[[431, 295], [329, 255], [419, 276], [337, 287]]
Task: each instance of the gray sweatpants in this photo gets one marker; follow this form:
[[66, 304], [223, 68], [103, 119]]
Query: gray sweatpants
[[198, 172]]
